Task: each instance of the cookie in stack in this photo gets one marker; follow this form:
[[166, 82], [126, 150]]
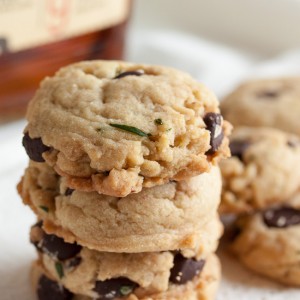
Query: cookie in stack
[[123, 178], [262, 178]]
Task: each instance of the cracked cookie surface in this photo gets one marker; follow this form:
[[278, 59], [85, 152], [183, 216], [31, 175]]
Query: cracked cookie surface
[[114, 132]]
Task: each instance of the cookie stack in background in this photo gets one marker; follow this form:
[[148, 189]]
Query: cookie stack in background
[[123, 178], [261, 181]]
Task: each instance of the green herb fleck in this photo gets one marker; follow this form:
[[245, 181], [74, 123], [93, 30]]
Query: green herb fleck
[[158, 122], [59, 270], [125, 290], [44, 208], [169, 129], [131, 129]]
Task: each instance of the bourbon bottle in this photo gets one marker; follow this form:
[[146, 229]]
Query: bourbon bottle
[[37, 37]]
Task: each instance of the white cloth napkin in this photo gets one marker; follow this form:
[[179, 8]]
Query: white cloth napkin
[[221, 68]]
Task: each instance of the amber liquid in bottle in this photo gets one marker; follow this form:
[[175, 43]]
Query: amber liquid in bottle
[[22, 71]]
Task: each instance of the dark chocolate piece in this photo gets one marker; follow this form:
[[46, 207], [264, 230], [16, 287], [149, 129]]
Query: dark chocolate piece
[[281, 217], [57, 247], [129, 73], [268, 94], [185, 269], [50, 290], [74, 262], [293, 143], [69, 192], [114, 288], [238, 147], [213, 123], [34, 148]]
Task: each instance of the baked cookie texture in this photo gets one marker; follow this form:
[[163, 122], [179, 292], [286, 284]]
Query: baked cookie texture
[[115, 127], [268, 243], [262, 170], [80, 269], [176, 215], [203, 287], [265, 102]]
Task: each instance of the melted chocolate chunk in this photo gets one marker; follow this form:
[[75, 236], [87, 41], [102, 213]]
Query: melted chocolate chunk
[[69, 192], [58, 247], [129, 73], [238, 148], [281, 217], [213, 123], [185, 269], [50, 290], [268, 95], [34, 148], [114, 288]]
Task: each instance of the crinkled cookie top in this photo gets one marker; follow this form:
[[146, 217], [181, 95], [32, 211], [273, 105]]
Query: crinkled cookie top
[[115, 127]]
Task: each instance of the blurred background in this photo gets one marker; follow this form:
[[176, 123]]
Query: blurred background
[[220, 42]]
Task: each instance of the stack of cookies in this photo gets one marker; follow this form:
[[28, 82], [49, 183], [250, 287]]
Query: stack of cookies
[[262, 178], [124, 181]]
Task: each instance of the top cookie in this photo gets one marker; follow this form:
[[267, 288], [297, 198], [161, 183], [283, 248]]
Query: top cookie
[[267, 102], [115, 127]]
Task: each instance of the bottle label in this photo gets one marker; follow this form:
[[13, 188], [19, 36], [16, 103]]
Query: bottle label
[[29, 23]]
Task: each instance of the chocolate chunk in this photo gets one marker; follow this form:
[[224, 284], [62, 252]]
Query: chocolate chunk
[[74, 262], [57, 247], [268, 95], [233, 233], [129, 73], [214, 125], [281, 217], [50, 290], [34, 148], [185, 269], [39, 224], [69, 192], [38, 234], [293, 143], [114, 288], [238, 147]]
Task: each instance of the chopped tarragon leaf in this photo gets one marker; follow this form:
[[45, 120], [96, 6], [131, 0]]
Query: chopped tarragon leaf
[[158, 122], [131, 129], [126, 290], [59, 269], [44, 208]]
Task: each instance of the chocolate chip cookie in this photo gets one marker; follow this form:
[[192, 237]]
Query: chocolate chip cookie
[[268, 243], [262, 171], [115, 127], [165, 217], [88, 272], [202, 287], [265, 102]]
